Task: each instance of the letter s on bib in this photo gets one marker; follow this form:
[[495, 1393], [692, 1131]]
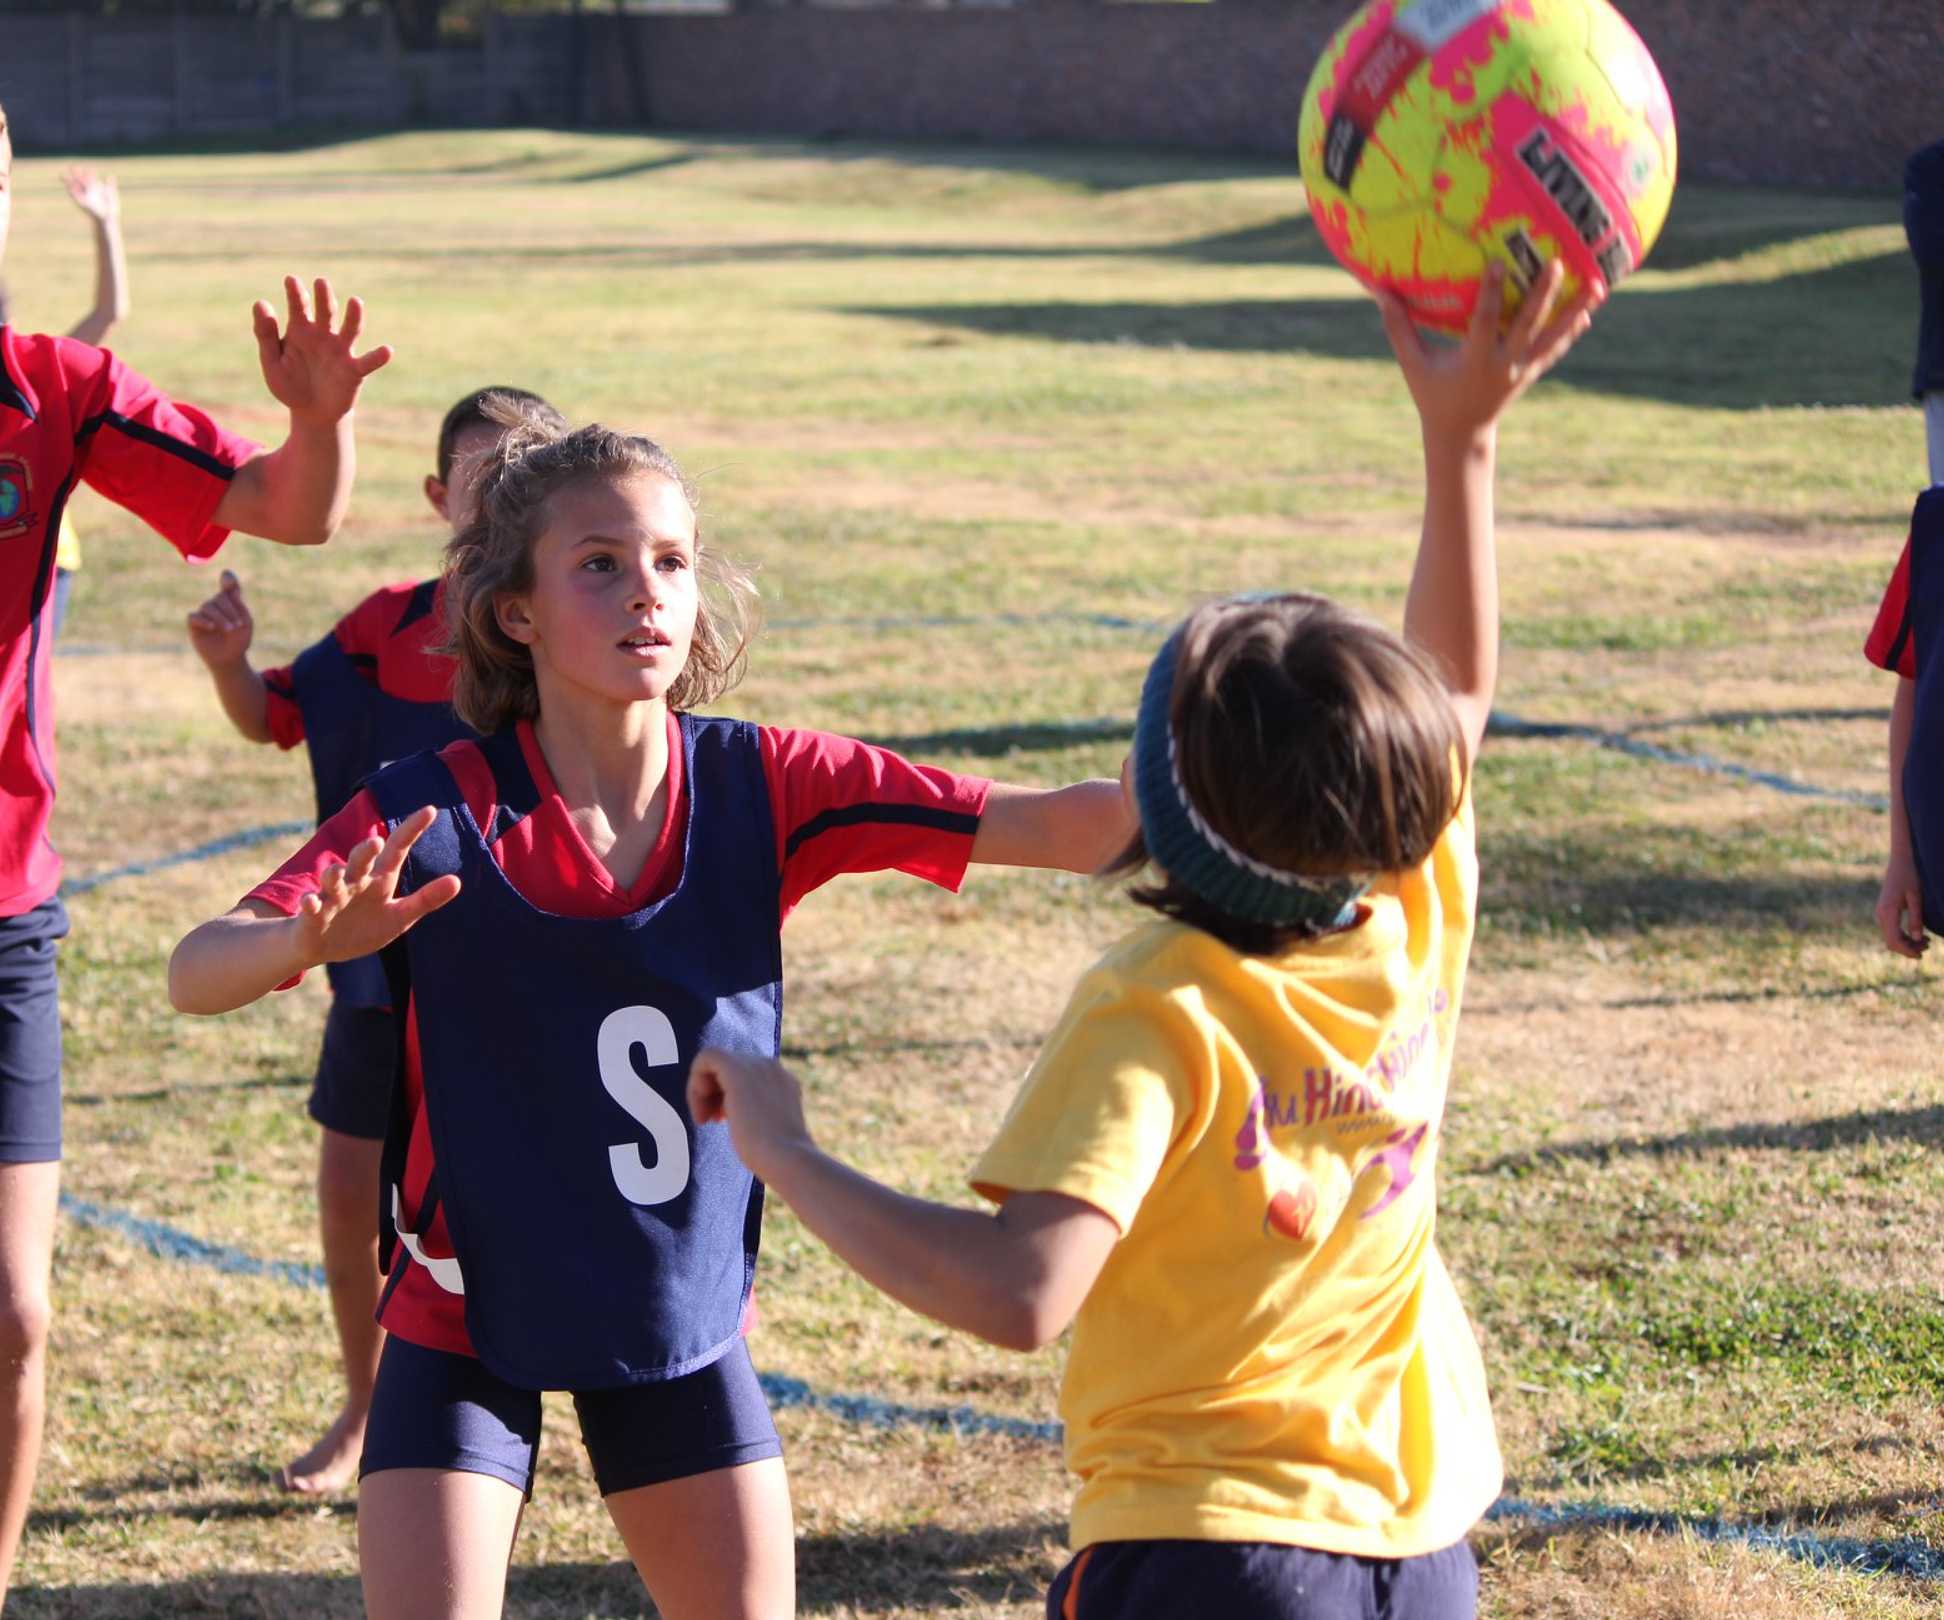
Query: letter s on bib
[[621, 1031]]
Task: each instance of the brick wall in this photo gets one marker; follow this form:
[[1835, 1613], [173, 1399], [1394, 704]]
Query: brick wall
[[1799, 92]]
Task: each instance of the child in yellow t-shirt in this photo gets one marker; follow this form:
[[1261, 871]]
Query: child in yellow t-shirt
[[1221, 1167]]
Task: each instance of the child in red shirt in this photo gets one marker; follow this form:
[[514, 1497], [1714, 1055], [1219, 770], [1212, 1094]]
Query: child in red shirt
[[375, 676], [71, 413], [627, 865]]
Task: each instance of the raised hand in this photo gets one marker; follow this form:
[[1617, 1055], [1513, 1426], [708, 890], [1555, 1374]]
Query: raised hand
[[759, 1098], [221, 629], [309, 366], [1463, 389], [94, 194], [356, 909]]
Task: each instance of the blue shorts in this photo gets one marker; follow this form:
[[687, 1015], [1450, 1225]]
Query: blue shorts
[[435, 1409], [30, 1035], [352, 1091], [1254, 1580]]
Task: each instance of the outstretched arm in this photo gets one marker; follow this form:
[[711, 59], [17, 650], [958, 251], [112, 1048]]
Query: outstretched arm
[[237, 958], [1079, 828], [297, 494], [96, 196], [1452, 610], [1014, 1278]]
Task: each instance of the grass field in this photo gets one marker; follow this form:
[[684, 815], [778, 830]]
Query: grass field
[[960, 406]]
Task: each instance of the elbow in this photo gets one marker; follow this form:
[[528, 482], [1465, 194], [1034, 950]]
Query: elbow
[[309, 534], [184, 991], [1028, 1320]]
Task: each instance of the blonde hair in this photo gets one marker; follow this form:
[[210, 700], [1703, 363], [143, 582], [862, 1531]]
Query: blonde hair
[[492, 557]]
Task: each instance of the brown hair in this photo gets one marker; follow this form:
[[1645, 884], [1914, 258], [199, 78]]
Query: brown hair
[[1312, 740], [477, 410], [493, 556]]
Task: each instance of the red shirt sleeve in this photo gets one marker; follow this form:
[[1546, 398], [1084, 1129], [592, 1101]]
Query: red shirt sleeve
[[285, 717], [169, 464], [363, 632], [1890, 644], [844, 806], [286, 887]]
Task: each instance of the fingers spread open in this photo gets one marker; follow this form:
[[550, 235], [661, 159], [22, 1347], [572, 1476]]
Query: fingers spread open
[[358, 867], [402, 838], [1534, 311], [1490, 306], [324, 306], [263, 322], [423, 902], [1405, 340], [294, 299]]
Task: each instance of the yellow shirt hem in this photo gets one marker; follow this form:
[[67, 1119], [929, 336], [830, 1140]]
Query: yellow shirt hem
[[1188, 1521]]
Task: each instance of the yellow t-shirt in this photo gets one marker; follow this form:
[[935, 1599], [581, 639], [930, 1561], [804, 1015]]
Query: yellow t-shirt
[[1273, 1350]]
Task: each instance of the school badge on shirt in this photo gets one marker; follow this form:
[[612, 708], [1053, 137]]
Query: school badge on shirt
[[16, 498]]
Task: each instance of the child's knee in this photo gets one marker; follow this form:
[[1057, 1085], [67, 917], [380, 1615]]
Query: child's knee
[[25, 1319]]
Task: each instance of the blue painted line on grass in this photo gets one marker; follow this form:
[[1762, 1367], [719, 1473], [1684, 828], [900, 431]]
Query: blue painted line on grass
[[171, 1243], [970, 621], [1914, 1560], [1500, 725], [1510, 725], [202, 852], [1909, 1558], [870, 1412]]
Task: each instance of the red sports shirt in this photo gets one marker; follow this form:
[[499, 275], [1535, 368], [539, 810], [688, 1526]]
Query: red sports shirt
[[71, 412], [839, 806], [1890, 644], [389, 637]]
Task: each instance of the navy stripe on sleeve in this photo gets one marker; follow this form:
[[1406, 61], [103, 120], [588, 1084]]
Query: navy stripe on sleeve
[[1893, 659], [161, 441], [899, 815]]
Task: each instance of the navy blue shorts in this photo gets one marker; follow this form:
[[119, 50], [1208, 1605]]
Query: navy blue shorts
[[352, 1091], [1254, 1580], [434, 1409], [30, 1035]]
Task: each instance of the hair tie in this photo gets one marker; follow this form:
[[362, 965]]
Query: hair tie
[[1181, 842]]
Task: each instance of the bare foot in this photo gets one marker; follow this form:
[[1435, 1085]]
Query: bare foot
[[332, 1463]]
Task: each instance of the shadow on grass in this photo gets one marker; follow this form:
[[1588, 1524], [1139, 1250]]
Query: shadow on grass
[[1540, 885], [1718, 346], [928, 1567], [925, 1567], [1726, 718], [101, 1099], [987, 742], [1924, 1125]]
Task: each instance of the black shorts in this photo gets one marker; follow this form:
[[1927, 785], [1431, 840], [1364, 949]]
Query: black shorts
[[30, 1035], [352, 1091], [1255, 1580], [435, 1409]]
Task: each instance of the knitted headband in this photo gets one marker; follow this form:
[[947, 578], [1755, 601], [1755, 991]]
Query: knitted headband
[[1180, 840]]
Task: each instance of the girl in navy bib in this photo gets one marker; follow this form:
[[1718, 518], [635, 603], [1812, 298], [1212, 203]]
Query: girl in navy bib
[[569, 910]]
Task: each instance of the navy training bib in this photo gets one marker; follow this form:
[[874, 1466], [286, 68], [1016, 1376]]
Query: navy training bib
[[1923, 773], [352, 728], [601, 1237]]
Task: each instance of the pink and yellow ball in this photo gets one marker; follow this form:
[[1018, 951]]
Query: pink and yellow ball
[[1439, 135]]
